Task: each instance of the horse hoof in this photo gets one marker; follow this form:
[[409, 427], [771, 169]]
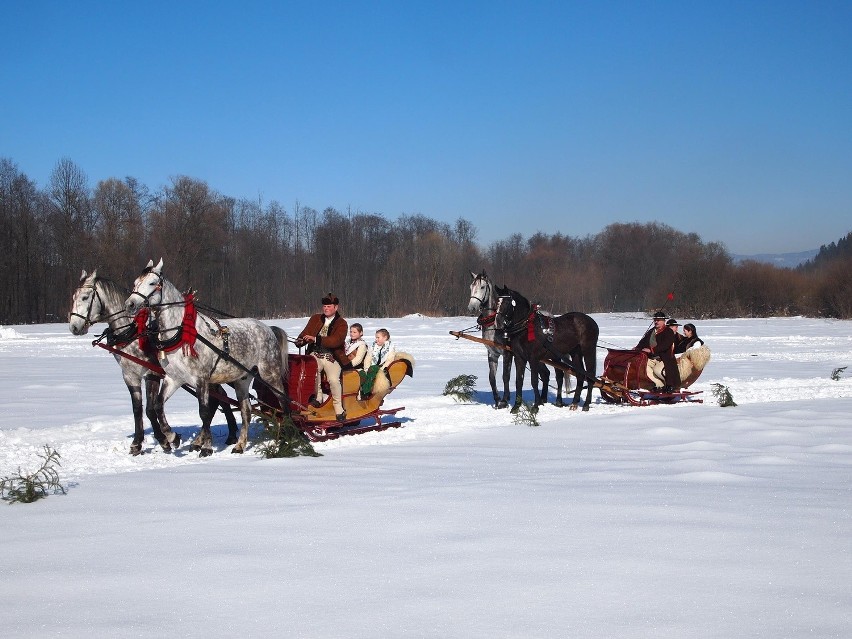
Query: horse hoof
[[136, 449], [559, 403], [515, 409], [501, 404], [572, 407], [176, 441], [586, 408], [205, 452], [237, 450]]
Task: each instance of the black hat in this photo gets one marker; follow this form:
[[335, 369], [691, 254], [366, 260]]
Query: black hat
[[330, 298], [672, 322], [660, 315]]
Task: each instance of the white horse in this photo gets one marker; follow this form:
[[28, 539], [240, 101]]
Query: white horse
[[483, 302], [196, 350]]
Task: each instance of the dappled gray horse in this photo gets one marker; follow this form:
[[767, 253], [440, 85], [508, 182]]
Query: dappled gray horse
[[98, 299], [483, 302], [238, 350]]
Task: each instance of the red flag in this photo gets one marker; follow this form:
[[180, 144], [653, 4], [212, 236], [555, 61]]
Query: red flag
[[670, 296]]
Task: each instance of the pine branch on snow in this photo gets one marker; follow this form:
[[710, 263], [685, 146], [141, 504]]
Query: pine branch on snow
[[29, 488], [461, 388], [723, 395]]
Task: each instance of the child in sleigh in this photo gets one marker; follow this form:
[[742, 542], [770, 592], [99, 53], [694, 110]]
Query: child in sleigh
[[381, 355]]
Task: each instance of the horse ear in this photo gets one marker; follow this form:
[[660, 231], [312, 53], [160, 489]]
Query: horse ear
[[159, 268], [94, 275], [83, 276], [150, 264], [473, 275]]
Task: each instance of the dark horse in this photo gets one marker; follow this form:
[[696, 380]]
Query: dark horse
[[98, 299], [534, 337]]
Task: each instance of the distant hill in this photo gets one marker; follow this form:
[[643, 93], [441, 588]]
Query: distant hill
[[781, 260]]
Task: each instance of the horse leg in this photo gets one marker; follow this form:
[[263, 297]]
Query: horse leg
[[520, 369], [535, 375], [591, 369], [152, 389], [544, 377], [492, 376], [171, 440], [232, 425], [138, 426], [245, 411], [577, 364], [560, 379], [507, 371], [203, 442]]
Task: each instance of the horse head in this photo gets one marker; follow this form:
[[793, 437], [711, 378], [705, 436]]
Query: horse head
[[147, 289], [505, 311], [480, 292], [86, 304]]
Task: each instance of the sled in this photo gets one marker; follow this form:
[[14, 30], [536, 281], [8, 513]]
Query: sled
[[625, 379], [362, 415]]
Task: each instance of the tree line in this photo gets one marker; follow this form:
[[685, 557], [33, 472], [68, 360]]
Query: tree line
[[255, 258]]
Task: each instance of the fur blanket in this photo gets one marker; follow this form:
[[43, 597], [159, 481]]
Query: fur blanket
[[690, 365], [382, 385]]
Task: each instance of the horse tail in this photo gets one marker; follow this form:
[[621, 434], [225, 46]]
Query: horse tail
[[284, 347]]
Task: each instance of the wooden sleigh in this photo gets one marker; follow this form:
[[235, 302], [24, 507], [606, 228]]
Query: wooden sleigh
[[362, 415], [626, 378]]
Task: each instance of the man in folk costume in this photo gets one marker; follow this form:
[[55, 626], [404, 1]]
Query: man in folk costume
[[325, 335], [659, 342]]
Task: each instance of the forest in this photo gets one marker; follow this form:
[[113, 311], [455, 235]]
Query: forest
[[258, 259]]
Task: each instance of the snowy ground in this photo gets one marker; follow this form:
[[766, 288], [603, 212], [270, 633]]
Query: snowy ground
[[666, 521]]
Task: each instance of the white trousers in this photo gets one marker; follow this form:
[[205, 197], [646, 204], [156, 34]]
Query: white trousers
[[332, 374]]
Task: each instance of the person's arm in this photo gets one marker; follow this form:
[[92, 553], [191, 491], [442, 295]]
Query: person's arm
[[357, 357]]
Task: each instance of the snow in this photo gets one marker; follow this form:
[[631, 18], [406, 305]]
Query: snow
[[663, 521]]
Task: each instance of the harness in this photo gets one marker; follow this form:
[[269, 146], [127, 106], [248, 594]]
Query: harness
[[527, 323]]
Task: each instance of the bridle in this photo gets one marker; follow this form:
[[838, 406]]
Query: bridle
[[146, 299], [87, 321], [485, 319], [510, 327]]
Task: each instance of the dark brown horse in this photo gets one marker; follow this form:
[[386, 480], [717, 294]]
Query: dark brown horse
[[570, 339]]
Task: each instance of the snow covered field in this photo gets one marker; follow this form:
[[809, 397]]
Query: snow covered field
[[666, 521]]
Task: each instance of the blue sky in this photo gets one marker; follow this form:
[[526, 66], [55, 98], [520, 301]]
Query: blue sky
[[728, 119]]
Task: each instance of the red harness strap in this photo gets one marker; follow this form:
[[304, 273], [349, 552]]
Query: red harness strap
[[188, 334], [531, 327]]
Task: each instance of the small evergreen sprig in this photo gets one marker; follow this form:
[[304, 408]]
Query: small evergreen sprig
[[835, 374], [526, 415], [281, 438], [26, 489], [723, 395], [461, 388]]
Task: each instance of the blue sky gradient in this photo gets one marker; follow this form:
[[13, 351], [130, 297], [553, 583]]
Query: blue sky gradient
[[728, 119]]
